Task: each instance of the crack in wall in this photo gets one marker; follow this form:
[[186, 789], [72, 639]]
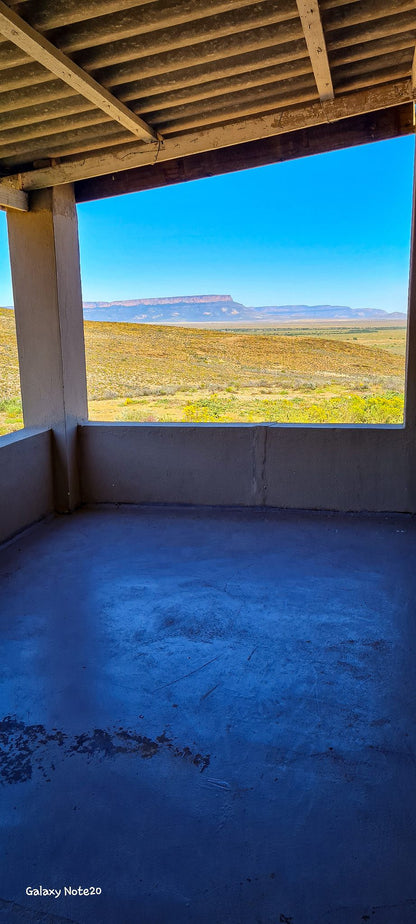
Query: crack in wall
[[258, 466]]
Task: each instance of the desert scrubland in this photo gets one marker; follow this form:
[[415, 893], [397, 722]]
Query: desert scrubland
[[329, 372]]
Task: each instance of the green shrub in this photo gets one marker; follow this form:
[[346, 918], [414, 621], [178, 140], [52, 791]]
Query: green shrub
[[387, 408]]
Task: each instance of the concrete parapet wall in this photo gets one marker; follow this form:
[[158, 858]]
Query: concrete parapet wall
[[26, 484], [314, 467]]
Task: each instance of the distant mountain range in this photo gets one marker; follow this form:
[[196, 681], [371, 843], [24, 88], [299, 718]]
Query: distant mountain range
[[203, 309], [206, 308]]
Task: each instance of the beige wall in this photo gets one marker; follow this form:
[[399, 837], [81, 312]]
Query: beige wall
[[26, 488], [314, 467]]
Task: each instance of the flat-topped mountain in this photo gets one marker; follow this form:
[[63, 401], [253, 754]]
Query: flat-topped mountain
[[203, 309], [206, 308], [178, 308], [173, 300]]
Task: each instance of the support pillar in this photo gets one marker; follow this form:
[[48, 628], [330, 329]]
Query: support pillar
[[44, 257]]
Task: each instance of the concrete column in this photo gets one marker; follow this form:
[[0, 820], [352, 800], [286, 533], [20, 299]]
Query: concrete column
[[44, 256]]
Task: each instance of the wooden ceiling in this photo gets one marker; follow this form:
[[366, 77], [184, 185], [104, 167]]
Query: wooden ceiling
[[98, 88]]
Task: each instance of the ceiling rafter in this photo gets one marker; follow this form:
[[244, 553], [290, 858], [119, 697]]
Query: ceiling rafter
[[397, 121], [20, 33], [220, 136], [13, 199], [310, 18]]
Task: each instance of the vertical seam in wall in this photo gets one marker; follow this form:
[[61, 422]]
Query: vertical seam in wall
[[258, 451], [263, 467], [254, 479], [79, 450]]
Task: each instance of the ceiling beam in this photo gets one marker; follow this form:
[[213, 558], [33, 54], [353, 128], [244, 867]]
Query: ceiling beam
[[252, 128], [310, 18], [17, 31], [362, 129], [13, 199]]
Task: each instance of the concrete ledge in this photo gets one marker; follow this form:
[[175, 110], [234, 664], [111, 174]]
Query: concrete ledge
[[26, 489], [314, 467], [182, 464], [339, 468]]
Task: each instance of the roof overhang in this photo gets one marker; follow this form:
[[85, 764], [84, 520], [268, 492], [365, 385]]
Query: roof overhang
[[117, 96]]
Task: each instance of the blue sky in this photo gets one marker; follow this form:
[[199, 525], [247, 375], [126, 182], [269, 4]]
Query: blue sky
[[330, 229]]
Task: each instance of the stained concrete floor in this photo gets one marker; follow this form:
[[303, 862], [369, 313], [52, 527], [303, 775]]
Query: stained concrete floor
[[211, 717]]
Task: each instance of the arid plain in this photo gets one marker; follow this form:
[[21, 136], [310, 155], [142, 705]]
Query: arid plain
[[306, 372]]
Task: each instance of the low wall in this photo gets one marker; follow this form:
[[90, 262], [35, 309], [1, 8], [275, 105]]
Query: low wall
[[315, 467], [26, 485]]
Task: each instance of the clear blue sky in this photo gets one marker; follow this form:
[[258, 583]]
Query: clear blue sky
[[330, 229]]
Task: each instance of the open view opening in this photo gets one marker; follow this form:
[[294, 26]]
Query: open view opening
[[277, 294], [11, 416]]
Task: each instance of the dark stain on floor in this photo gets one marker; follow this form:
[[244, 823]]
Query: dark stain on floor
[[25, 747]]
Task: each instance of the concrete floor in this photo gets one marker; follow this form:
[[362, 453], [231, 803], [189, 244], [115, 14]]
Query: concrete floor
[[211, 717]]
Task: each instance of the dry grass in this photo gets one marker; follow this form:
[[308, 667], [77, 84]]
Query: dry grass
[[143, 372], [125, 359]]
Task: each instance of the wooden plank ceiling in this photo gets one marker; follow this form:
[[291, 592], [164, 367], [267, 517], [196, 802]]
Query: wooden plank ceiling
[[92, 87]]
